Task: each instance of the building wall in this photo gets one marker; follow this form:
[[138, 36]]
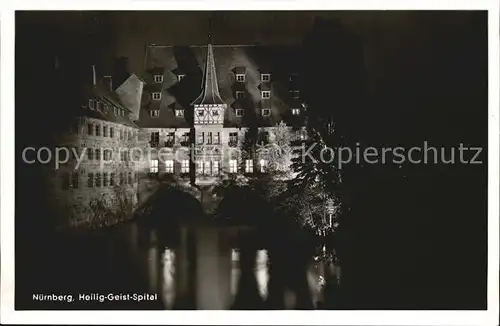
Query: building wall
[[73, 199]]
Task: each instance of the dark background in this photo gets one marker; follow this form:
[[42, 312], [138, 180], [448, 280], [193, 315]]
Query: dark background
[[415, 236]]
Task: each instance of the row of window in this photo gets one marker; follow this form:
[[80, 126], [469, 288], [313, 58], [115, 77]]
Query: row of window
[[179, 113], [159, 78], [107, 155], [98, 105], [203, 138], [98, 179], [239, 78], [206, 167], [295, 94], [238, 112], [169, 138], [105, 131], [212, 138]]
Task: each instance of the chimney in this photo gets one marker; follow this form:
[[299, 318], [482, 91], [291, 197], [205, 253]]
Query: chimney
[[94, 82], [108, 81]]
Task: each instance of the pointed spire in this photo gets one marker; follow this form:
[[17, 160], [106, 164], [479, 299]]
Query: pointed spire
[[210, 87]]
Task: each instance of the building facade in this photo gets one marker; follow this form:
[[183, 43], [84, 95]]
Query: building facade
[[202, 102], [188, 118]]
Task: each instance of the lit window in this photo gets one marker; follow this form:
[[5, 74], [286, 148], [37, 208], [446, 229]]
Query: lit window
[[249, 166], [155, 113], [240, 94], [233, 166], [185, 166], [153, 167], [169, 166], [215, 168], [179, 113], [180, 77], [206, 167], [201, 138], [265, 94], [239, 112], [265, 77], [156, 96], [158, 79], [266, 112], [295, 111], [199, 167], [262, 165], [216, 138], [240, 78]]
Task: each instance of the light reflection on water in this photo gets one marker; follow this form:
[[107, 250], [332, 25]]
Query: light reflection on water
[[261, 272], [168, 275]]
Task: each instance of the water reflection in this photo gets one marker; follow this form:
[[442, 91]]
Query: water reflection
[[168, 289], [246, 286], [262, 272]]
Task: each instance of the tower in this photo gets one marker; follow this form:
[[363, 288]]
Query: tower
[[209, 110]]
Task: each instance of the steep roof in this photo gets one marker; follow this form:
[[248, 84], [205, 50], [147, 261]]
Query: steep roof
[[210, 86], [111, 99]]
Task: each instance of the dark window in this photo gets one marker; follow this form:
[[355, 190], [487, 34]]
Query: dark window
[[105, 131], [97, 154], [185, 139], [233, 139], [65, 180], [112, 178], [74, 180], [155, 138], [170, 140], [130, 178], [90, 181], [90, 129], [111, 132], [105, 179], [90, 153], [98, 179], [98, 130]]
